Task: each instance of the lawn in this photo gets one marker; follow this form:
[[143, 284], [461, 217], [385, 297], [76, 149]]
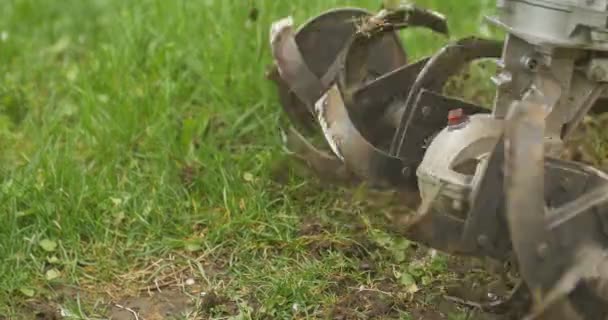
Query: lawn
[[140, 152]]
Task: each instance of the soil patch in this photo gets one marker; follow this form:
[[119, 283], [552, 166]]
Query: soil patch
[[318, 240], [170, 304], [366, 303], [42, 310], [214, 304]]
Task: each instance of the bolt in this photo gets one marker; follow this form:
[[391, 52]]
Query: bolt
[[483, 241], [565, 182], [426, 111], [406, 172], [530, 63], [542, 250], [598, 73], [457, 205]]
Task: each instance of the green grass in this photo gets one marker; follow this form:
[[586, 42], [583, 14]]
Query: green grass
[[135, 131]]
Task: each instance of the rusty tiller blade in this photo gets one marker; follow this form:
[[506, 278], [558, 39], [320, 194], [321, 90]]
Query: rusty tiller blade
[[329, 31], [326, 165], [368, 99], [308, 60], [347, 139], [382, 56], [366, 161], [306, 64], [291, 66]]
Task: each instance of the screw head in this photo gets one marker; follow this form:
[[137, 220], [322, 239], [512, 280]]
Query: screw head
[[457, 205], [542, 250], [483, 241], [426, 111], [598, 73], [531, 63]]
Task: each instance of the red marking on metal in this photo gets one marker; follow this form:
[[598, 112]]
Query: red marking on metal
[[456, 116]]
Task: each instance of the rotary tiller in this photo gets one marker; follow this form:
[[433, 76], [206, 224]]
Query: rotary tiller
[[489, 178]]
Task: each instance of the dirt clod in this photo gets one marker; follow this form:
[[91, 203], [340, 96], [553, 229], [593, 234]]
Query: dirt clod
[[213, 303], [211, 300], [42, 310]]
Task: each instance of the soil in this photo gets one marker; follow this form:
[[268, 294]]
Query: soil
[[42, 310], [474, 280], [162, 305], [387, 301]]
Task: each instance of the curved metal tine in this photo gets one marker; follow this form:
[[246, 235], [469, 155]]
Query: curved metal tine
[[299, 51], [290, 63], [383, 52], [591, 264], [403, 17], [572, 209], [371, 98], [524, 185], [325, 165], [297, 114], [343, 26], [443, 65], [365, 160], [524, 177], [331, 30]]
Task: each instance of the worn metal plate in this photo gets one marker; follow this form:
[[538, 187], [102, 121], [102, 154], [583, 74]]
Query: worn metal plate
[[443, 65]]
